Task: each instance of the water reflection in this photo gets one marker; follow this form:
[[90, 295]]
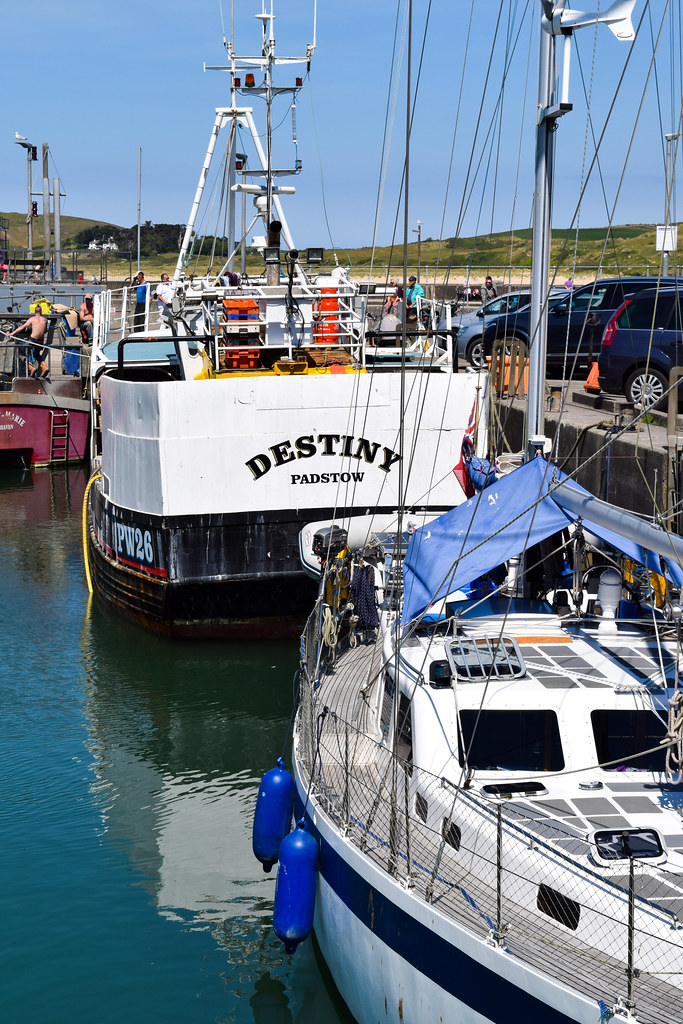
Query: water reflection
[[179, 736], [135, 761]]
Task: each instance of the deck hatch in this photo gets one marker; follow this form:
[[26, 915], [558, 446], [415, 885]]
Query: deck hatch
[[485, 657]]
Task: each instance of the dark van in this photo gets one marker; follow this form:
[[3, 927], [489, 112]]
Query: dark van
[[642, 343], [575, 322]]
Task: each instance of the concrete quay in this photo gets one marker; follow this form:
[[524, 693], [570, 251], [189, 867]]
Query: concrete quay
[[613, 450]]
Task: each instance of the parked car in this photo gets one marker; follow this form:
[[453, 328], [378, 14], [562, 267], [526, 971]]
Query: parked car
[[468, 328], [642, 343], [469, 342], [576, 322]]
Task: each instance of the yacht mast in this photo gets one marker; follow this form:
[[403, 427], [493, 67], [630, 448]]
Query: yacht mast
[[552, 103]]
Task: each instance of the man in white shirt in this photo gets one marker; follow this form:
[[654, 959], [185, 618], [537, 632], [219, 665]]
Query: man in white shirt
[[164, 295]]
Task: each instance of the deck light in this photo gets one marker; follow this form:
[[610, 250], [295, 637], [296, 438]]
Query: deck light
[[314, 255], [271, 254], [440, 673]]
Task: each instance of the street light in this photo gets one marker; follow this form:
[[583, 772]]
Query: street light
[[31, 154], [418, 231], [669, 232]]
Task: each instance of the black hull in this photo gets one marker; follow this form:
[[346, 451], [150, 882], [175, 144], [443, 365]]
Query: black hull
[[236, 575], [272, 608]]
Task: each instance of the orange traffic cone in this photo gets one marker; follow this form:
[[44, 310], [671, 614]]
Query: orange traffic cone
[[592, 382]]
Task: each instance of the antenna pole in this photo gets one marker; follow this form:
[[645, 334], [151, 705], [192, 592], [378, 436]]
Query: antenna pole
[[541, 230], [139, 193]]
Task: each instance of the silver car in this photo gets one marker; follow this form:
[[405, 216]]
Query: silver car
[[468, 341]]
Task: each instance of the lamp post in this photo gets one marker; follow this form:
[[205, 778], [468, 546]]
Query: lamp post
[[418, 231], [31, 154], [139, 192], [668, 192]]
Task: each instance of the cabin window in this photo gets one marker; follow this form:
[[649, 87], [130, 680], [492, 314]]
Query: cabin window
[[559, 907], [450, 833], [404, 746], [514, 741], [387, 704], [421, 807], [619, 735]]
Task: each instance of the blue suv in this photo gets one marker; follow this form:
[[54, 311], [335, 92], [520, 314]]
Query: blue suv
[[575, 322], [642, 343]]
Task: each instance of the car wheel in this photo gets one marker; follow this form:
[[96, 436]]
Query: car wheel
[[647, 388], [474, 353]]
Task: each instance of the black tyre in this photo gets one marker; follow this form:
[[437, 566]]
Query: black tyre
[[474, 353], [647, 388]]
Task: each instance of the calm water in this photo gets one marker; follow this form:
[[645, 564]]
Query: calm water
[[128, 774]]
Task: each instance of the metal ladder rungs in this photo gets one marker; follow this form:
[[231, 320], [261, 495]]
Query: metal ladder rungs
[[59, 435]]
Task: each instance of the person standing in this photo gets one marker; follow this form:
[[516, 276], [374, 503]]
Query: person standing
[[414, 291], [34, 329], [488, 292], [141, 288], [164, 295]]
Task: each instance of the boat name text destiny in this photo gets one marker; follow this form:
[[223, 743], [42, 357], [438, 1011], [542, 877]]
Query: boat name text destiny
[[306, 448]]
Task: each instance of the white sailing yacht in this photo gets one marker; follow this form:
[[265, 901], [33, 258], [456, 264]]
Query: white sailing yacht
[[494, 782]]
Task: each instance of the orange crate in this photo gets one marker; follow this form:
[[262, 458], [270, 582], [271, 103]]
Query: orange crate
[[239, 360]]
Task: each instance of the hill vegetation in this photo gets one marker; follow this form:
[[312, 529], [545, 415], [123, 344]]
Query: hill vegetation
[[626, 248]]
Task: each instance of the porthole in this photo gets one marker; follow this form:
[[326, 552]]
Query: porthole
[[559, 907], [450, 833]]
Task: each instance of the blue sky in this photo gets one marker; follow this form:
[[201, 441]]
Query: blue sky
[[97, 80]]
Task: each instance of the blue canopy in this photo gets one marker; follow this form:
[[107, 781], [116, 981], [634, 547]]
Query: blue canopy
[[500, 522]]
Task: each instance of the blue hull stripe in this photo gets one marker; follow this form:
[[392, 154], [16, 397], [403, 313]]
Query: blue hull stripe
[[445, 965]]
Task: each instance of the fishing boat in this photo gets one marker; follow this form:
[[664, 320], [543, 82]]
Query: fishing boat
[[488, 748], [245, 408], [44, 420]]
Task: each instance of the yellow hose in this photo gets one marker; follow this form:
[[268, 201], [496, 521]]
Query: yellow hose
[[84, 529]]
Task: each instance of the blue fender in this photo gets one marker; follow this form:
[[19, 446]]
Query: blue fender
[[273, 814], [295, 888]]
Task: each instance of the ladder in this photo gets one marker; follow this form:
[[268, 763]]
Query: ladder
[[59, 435]]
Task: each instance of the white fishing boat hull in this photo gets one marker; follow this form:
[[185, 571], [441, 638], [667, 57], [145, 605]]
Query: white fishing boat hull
[[206, 484]]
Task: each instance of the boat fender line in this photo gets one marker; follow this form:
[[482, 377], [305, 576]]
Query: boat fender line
[[273, 814], [84, 529], [674, 736], [329, 628], [295, 887]]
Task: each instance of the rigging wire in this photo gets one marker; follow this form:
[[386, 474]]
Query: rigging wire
[[389, 114], [474, 165], [320, 168]]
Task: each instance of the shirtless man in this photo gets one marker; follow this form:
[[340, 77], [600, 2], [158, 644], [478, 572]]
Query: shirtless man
[[34, 329], [86, 316]]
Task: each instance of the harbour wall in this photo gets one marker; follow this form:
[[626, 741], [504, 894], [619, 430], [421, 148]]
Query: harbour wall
[[632, 464]]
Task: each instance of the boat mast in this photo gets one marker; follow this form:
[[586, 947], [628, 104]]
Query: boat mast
[[266, 195], [552, 103]]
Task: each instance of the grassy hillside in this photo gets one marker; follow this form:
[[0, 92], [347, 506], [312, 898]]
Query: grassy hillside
[[629, 247], [17, 229]]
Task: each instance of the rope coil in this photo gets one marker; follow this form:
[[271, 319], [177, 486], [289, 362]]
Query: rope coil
[[674, 737]]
